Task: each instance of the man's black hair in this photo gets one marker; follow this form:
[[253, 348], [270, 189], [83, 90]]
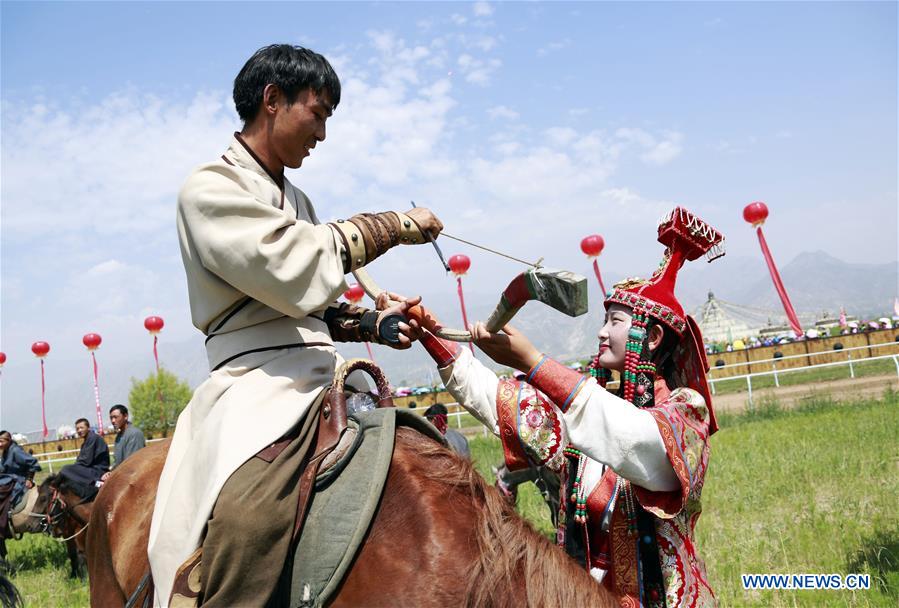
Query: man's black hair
[[291, 68], [122, 409], [84, 420], [438, 409]]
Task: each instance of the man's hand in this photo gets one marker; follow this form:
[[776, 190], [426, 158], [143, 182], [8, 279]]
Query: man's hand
[[392, 304], [426, 220], [105, 476], [29, 483], [511, 348]]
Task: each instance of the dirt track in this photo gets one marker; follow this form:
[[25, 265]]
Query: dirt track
[[788, 396]]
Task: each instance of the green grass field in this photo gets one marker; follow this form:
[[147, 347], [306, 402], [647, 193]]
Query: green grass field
[[810, 490]]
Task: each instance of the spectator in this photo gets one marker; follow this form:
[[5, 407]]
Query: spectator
[[91, 464], [437, 415], [128, 439]]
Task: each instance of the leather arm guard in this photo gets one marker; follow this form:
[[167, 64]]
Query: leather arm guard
[[350, 323], [367, 236]]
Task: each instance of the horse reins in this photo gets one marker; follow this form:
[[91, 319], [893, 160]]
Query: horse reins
[[51, 520]]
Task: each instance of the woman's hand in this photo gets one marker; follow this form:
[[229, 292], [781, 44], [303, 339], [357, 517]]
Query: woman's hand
[[393, 304], [511, 348]]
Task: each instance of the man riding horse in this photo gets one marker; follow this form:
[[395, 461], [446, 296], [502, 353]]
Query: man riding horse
[[263, 277], [17, 469], [90, 465]]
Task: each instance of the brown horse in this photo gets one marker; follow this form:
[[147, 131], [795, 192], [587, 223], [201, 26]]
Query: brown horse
[[61, 513], [441, 537]]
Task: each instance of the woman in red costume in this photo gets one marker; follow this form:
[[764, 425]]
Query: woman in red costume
[[632, 462]]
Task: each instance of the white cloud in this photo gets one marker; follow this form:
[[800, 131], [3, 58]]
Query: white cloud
[[485, 43], [107, 267], [482, 9], [561, 136], [502, 112], [458, 19], [477, 71], [111, 168], [656, 151]]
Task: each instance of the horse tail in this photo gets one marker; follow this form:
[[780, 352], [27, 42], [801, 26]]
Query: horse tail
[[9, 595]]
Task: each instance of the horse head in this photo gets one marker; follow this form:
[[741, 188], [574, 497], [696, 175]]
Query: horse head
[[50, 506]]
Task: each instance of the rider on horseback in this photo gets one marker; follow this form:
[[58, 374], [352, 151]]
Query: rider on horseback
[[17, 469], [263, 275], [90, 465]]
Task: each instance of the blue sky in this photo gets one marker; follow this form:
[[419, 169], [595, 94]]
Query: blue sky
[[524, 125]]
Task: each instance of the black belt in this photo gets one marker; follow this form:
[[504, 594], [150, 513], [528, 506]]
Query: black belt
[[266, 348]]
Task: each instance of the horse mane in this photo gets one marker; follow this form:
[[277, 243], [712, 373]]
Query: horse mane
[[58, 482], [512, 555]]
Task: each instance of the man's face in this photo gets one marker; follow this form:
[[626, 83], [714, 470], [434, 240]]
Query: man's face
[[81, 428], [118, 420], [298, 127], [4, 442]]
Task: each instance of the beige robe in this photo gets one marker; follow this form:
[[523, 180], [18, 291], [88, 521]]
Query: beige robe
[[260, 271]]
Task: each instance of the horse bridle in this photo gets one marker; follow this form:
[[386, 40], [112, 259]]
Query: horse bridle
[[57, 510]]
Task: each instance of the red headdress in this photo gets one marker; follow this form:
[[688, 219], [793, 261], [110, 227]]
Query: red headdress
[[686, 237]]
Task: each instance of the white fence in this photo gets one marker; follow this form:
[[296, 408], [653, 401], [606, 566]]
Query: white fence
[[808, 355], [775, 372], [65, 456]]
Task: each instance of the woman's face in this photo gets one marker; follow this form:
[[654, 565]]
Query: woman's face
[[613, 336], [5, 440]]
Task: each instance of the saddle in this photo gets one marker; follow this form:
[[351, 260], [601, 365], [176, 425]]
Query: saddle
[[22, 510], [344, 501]]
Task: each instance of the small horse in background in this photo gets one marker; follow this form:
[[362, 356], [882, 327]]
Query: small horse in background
[[64, 515]]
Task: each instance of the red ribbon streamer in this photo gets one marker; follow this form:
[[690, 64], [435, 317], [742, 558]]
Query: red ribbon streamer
[[599, 277], [97, 395], [43, 401], [779, 286], [368, 348], [462, 304], [155, 354]]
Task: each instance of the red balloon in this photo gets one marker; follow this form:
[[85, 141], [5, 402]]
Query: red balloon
[[40, 349], [354, 293], [459, 264], [92, 341], [592, 245], [154, 324], [2, 358], [755, 213]]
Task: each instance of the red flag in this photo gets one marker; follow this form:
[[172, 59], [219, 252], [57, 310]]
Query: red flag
[[779, 286]]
